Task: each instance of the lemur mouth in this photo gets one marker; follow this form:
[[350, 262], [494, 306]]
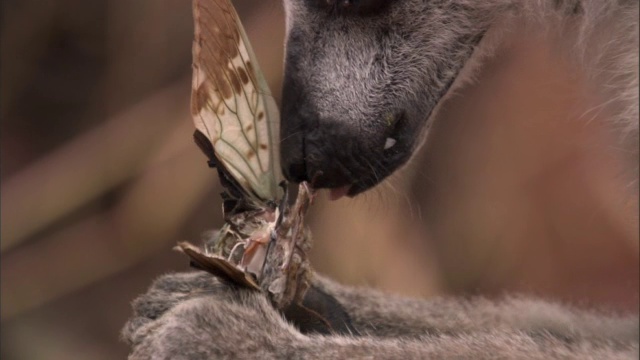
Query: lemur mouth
[[347, 191], [338, 193], [350, 190], [358, 186]]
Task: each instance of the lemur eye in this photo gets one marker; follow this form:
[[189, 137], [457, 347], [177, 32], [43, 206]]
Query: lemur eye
[[360, 7]]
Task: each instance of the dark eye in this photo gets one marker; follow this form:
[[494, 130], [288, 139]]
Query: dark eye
[[360, 7]]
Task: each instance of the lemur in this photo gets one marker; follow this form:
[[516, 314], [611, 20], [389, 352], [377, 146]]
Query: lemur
[[363, 80]]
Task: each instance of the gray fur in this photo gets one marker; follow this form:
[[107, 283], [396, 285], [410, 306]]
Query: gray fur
[[193, 316], [346, 74]]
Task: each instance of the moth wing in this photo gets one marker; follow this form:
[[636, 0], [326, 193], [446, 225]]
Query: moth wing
[[216, 265], [230, 101]]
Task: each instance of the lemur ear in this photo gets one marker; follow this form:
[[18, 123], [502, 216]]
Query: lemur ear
[[356, 7]]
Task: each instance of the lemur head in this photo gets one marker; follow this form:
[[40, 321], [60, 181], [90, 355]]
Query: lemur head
[[361, 80]]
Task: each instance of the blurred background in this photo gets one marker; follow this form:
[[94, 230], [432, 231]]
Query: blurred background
[[514, 190]]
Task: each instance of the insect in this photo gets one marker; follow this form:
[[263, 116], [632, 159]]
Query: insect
[[263, 242]]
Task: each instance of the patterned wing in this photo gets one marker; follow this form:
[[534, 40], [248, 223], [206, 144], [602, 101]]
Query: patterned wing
[[231, 103], [216, 265]]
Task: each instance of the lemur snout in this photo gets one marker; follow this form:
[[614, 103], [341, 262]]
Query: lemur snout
[[333, 153], [348, 120]]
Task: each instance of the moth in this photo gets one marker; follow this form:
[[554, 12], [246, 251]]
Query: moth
[[263, 243]]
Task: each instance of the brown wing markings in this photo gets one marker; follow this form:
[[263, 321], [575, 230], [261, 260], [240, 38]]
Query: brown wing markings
[[234, 22], [204, 123], [231, 52], [252, 73], [199, 55], [252, 76], [227, 21], [217, 111], [199, 98], [255, 176], [209, 76], [207, 55], [243, 76], [217, 82], [227, 163], [251, 144], [229, 71], [257, 91], [196, 73], [230, 13], [205, 21], [236, 81]]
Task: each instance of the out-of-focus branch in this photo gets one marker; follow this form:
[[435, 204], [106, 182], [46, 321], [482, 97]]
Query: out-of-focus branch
[[23, 44], [85, 168], [145, 220], [172, 177]]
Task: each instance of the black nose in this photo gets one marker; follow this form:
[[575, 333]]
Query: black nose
[[330, 159], [324, 151], [327, 155]]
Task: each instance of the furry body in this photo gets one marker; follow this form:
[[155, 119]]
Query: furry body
[[355, 77], [193, 316]]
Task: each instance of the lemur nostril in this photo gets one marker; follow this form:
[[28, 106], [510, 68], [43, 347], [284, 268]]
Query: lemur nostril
[[395, 123], [317, 175]]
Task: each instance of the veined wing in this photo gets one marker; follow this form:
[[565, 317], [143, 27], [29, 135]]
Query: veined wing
[[216, 265], [230, 101]]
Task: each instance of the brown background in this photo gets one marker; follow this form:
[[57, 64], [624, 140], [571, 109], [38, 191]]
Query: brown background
[[514, 191]]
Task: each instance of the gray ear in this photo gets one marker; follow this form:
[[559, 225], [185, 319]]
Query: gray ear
[[320, 313]]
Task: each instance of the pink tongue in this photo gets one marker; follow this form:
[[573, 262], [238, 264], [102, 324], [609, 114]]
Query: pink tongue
[[337, 193]]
